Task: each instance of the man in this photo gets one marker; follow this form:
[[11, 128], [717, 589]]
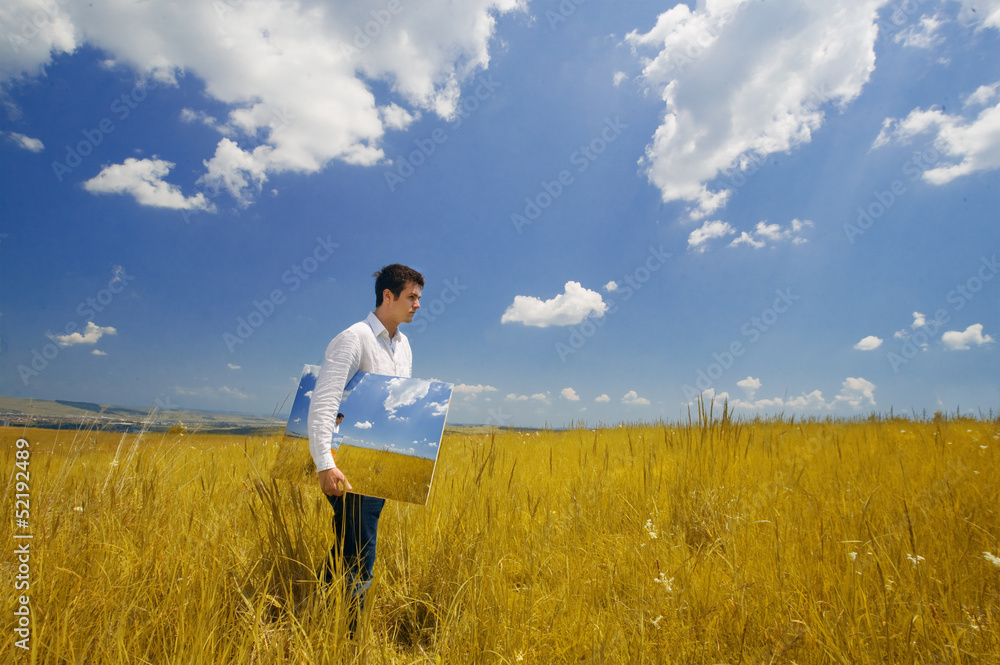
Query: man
[[374, 345], [336, 424]]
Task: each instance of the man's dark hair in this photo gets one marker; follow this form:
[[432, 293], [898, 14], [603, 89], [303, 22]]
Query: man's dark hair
[[394, 277]]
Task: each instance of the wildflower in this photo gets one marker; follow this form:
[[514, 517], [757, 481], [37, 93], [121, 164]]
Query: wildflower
[[984, 447], [519, 656], [78, 509], [888, 584], [852, 555], [995, 560], [667, 583], [650, 529], [656, 621], [914, 560]]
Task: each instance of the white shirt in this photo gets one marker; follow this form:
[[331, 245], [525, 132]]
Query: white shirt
[[367, 347]]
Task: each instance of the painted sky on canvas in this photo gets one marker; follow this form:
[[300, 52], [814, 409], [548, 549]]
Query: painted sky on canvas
[[617, 207]]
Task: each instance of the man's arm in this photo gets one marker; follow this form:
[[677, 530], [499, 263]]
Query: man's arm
[[343, 357]]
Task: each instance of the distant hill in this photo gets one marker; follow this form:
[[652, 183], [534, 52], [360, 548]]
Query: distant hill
[[47, 413]]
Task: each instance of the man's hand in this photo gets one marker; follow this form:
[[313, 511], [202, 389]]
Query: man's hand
[[333, 482]]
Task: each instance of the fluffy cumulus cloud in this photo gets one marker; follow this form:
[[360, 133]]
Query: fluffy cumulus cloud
[[404, 392], [632, 398], [857, 392], [963, 144], [750, 385], [143, 179], [91, 334], [363, 425], [966, 339], [566, 309], [869, 343], [294, 75], [569, 394], [698, 238], [742, 80], [602, 398], [765, 233], [854, 392]]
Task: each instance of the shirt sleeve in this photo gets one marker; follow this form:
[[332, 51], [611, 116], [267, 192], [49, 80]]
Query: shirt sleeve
[[342, 360]]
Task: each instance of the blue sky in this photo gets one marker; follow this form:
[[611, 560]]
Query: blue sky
[[616, 206]]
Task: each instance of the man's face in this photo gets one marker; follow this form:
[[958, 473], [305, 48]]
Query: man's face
[[402, 309], [340, 419]]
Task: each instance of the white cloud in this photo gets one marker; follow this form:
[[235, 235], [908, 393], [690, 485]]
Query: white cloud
[[538, 397], [143, 179], [813, 400], [611, 286], [570, 394], [632, 398], [962, 341], [750, 385], [566, 309], [982, 96], [363, 425], [295, 77], [619, 77], [92, 333], [437, 408], [968, 145], [404, 392], [211, 393], [743, 80], [98, 352], [708, 231], [602, 398], [869, 343], [471, 392], [923, 34], [395, 116], [855, 391], [774, 233], [26, 142]]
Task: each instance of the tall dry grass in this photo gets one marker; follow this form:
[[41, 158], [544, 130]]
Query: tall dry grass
[[718, 540]]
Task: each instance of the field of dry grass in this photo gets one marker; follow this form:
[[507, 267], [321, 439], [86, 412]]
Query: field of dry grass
[[715, 541], [386, 474]]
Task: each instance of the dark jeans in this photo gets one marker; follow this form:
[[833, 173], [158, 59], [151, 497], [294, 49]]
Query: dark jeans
[[355, 529]]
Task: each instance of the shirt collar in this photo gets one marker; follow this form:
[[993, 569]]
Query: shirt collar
[[377, 327]]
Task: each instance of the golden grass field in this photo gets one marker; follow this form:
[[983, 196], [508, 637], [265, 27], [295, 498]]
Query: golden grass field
[[715, 541]]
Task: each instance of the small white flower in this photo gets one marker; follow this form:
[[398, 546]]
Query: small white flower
[[914, 560], [888, 584], [995, 560], [656, 621], [984, 447], [852, 555], [78, 509], [667, 583]]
